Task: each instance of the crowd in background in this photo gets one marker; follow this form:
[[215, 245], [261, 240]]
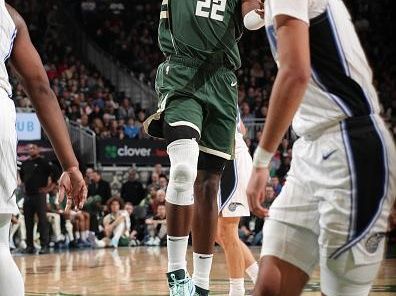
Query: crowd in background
[[128, 31], [132, 216], [135, 214]]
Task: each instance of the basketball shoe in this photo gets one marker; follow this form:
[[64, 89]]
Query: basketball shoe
[[180, 283]]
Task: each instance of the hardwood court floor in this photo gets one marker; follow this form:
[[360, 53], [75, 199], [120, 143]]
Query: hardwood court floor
[[137, 271]]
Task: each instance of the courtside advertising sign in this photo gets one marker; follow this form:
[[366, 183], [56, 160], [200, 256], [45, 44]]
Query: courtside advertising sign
[[28, 127], [141, 152]]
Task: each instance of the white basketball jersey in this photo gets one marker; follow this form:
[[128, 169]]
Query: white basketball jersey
[[341, 81], [7, 35]]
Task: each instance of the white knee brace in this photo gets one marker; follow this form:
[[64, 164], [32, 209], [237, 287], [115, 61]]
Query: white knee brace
[[183, 156]]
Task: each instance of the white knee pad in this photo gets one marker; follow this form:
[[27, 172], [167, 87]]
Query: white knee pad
[[183, 155]]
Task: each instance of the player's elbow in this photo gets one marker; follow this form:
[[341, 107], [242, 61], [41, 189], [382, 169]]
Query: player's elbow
[[39, 90], [297, 74]]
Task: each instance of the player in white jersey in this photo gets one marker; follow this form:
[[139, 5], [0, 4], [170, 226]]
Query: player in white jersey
[[15, 44], [233, 204], [334, 207]]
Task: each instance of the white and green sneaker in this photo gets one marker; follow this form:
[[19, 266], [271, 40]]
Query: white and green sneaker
[[180, 283]]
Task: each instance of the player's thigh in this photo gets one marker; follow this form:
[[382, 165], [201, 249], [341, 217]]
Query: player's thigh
[[232, 198], [289, 255], [219, 123], [228, 225], [293, 244], [345, 277], [175, 82], [184, 111], [227, 228]]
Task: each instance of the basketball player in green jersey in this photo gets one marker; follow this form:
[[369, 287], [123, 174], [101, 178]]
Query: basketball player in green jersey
[[197, 91]]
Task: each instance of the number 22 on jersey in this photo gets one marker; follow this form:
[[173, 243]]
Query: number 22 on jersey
[[213, 9]]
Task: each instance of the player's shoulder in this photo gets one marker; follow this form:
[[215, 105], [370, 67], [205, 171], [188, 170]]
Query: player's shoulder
[[16, 17]]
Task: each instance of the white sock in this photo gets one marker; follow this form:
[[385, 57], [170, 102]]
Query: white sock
[[77, 235], [237, 287], [177, 249], [11, 281], [202, 266], [85, 234], [252, 272]]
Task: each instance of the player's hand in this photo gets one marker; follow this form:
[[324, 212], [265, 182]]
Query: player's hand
[[260, 11], [256, 191], [73, 185]]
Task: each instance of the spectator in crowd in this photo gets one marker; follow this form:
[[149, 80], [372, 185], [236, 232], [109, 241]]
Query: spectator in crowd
[[126, 111], [132, 190], [154, 179], [89, 175], [134, 227], [98, 191], [156, 228], [116, 225], [157, 200], [159, 169], [18, 227], [284, 168], [276, 185], [163, 182], [54, 217], [269, 196], [132, 130], [35, 174], [246, 115], [245, 232], [81, 227]]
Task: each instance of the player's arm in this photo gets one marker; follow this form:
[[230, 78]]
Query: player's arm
[[27, 65], [291, 81], [287, 93], [253, 14], [30, 71]]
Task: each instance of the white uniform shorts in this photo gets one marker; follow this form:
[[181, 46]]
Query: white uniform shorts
[[8, 158], [334, 207], [232, 199]]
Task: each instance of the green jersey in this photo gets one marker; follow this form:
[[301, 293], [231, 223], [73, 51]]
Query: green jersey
[[201, 29]]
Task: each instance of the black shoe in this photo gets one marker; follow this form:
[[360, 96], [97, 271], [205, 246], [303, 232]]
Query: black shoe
[[201, 292], [44, 250], [29, 250], [73, 244]]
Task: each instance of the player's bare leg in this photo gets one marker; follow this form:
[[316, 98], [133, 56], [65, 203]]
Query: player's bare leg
[[277, 277], [85, 226], [183, 154], [204, 227], [251, 265], [238, 256], [227, 237]]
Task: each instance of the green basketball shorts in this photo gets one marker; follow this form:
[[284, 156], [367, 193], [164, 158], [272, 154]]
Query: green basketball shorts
[[201, 96]]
